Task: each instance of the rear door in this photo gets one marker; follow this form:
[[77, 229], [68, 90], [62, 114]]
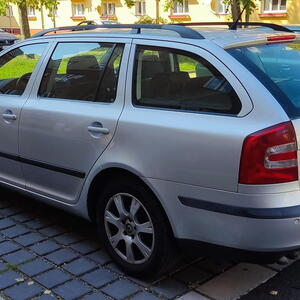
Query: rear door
[[18, 68], [72, 116], [185, 112]]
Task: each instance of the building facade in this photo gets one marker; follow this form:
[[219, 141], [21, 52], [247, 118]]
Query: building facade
[[71, 12]]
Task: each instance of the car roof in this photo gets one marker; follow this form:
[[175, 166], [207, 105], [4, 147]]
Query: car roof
[[220, 35]]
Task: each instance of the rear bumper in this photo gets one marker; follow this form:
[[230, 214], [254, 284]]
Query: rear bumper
[[257, 223]]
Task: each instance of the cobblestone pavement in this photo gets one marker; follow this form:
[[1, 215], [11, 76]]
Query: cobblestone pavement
[[46, 253]]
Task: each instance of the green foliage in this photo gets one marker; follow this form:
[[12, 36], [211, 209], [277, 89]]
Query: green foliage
[[149, 20], [129, 3], [48, 4]]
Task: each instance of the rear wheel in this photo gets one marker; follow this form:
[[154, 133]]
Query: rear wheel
[[134, 228]]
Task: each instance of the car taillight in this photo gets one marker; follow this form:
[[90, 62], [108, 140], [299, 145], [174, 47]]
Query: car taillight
[[270, 156]]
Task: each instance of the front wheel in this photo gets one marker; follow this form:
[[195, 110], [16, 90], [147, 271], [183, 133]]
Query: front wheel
[[134, 228]]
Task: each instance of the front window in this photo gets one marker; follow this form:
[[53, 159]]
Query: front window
[[181, 8], [109, 9], [31, 12], [277, 66], [140, 8], [17, 66], [83, 71], [274, 6], [78, 10]]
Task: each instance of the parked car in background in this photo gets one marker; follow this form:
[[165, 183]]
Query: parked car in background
[[159, 134], [6, 39]]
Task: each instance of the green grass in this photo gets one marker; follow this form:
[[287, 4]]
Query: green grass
[[18, 66]]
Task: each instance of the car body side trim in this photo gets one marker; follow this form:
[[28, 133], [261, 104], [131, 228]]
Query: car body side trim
[[247, 212], [43, 165]]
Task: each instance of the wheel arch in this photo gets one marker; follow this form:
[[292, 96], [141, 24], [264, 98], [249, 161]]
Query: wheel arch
[[113, 172]]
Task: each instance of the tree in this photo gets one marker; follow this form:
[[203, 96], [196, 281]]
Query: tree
[[236, 6], [22, 6], [167, 5]]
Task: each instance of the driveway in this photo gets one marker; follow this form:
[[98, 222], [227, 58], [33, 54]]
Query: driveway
[[46, 253]]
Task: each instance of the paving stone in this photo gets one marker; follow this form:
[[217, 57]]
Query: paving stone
[[101, 257], [85, 247], [29, 239], [120, 289], [45, 247], [61, 256], [18, 257], [145, 296], [80, 266], [15, 231], [23, 291], [72, 290], [7, 247], [45, 297], [192, 296], [244, 276], [68, 238], [38, 223], [52, 278], [99, 277], [170, 288], [35, 267], [53, 230], [10, 211], [214, 266], [2, 267], [95, 296], [5, 223], [192, 275], [8, 278], [114, 267], [23, 217]]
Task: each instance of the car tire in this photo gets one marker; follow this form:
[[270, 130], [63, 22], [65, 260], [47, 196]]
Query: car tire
[[128, 214]]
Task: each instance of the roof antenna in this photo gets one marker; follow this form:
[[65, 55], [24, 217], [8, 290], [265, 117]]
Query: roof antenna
[[233, 26]]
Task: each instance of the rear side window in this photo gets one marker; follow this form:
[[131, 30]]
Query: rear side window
[[83, 71], [17, 66], [176, 79]]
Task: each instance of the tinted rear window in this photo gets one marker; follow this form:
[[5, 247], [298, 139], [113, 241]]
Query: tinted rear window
[[277, 66]]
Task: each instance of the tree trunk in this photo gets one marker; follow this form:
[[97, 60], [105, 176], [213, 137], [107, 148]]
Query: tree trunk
[[235, 9], [157, 12], [25, 31], [247, 16]]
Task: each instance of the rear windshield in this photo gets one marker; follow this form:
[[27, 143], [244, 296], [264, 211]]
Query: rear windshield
[[277, 66]]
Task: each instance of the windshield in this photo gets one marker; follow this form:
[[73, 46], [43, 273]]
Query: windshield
[[277, 66]]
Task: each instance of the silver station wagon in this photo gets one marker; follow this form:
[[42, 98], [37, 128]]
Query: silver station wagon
[[162, 135]]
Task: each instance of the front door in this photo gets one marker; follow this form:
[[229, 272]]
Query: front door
[[73, 117], [16, 68]]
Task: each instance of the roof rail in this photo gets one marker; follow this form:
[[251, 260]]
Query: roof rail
[[234, 26], [184, 32]]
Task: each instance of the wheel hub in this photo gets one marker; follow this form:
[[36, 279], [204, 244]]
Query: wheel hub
[[129, 228]]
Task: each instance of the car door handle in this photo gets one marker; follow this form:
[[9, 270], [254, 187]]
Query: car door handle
[[96, 129], [9, 116]]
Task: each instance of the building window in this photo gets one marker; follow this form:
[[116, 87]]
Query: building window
[[181, 8], [109, 9], [221, 7], [78, 10], [140, 8], [274, 6], [31, 11], [9, 12]]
